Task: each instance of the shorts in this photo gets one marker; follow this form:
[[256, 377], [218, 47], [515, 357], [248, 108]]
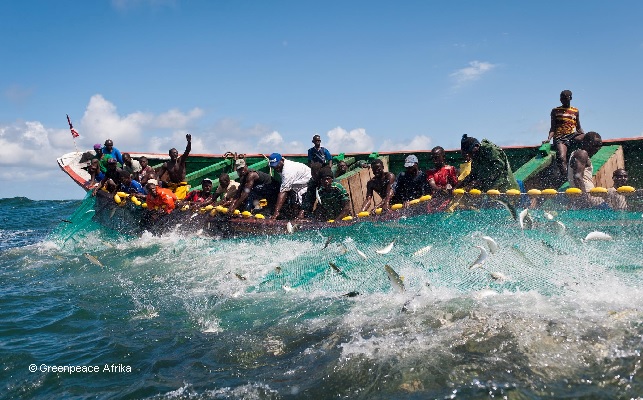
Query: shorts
[[565, 139]]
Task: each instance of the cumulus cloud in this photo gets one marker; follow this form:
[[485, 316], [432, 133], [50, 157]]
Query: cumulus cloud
[[473, 72], [356, 141], [419, 142]]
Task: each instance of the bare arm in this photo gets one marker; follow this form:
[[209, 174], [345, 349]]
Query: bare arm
[[281, 199], [577, 164], [369, 197], [552, 127], [243, 192]]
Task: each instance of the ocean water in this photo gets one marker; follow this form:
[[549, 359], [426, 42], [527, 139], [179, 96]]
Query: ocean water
[[547, 316]]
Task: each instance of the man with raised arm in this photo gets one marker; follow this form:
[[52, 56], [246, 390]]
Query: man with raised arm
[[176, 170]]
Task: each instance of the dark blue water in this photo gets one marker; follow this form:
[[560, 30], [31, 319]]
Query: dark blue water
[[265, 317]]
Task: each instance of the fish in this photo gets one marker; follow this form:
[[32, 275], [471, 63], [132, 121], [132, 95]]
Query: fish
[[289, 227], [386, 249], [327, 242], [318, 197], [548, 215], [93, 260], [596, 235], [422, 251], [509, 207], [66, 220], [111, 214], [561, 226], [361, 254], [481, 258], [498, 276], [394, 278], [241, 277], [493, 246], [278, 269], [351, 294], [337, 269], [525, 219]]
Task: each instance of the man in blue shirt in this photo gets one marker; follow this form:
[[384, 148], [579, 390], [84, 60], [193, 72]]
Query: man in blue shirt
[[109, 149], [319, 154]]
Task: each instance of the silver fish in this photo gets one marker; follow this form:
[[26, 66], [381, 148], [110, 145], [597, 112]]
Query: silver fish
[[318, 197], [481, 258], [493, 246], [509, 207], [525, 219], [93, 260], [289, 227], [337, 269], [394, 278], [361, 254], [498, 276], [561, 226], [422, 251], [596, 235], [386, 249], [240, 277]]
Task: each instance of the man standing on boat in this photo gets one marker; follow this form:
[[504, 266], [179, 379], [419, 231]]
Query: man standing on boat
[[294, 183], [382, 184], [175, 169], [490, 167], [253, 186], [319, 154], [565, 127]]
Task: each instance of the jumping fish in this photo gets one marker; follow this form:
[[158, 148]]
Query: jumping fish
[[337, 269], [66, 220], [498, 276], [327, 242], [422, 251], [509, 207], [241, 277], [361, 254], [351, 294], [493, 246], [548, 215], [289, 227], [561, 226], [596, 235], [278, 269], [93, 260], [386, 249], [318, 197], [525, 219], [481, 258], [394, 278]]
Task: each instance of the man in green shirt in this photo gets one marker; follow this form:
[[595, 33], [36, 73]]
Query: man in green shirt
[[333, 201], [490, 167]]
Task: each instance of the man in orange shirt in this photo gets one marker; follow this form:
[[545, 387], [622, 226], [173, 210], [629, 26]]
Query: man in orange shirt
[[159, 198]]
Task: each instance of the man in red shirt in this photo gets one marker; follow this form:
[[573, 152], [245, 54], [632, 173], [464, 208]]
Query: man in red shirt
[[443, 177]]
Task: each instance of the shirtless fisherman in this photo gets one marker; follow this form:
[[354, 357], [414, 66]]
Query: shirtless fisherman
[[175, 169]]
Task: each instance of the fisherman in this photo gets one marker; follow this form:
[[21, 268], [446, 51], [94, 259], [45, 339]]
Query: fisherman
[[129, 185], [227, 189], [382, 184], [294, 183], [110, 150], [615, 200], [158, 198], [565, 127], [309, 198], [442, 178], [581, 171], [253, 186], [319, 154], [201, 197], [342, 168], [334, 202], [146, 172], [95, 174], [490, 167], [112, 179], [102, 158], [132, 166], [410, 183], [176, 170]]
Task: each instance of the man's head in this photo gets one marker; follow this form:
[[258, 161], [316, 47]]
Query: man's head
[[592, 143], [206, 185], [112, 163], [174, 154], [326, 177], [315, 168], [411, 163], [143, 160], [94, 164], [98, 148], [126, 178], [437, 155], [469, 145], [619, 177], [276, 161], [241, 167], [127, 159], [317, 141], [342, 168], [150, 187], [377, 166], [224, 180], [566, 97], [109, 144]]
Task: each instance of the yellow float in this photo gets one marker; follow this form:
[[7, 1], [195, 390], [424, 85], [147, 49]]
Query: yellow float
[[458, 192], [625, 190], [378, 211], [246, 214], [534, 192], [363, 214], [426, 197], [549, 192], [397, 206], [598, 191], [513, 192], [259, 216], [347, 218], [572, 191], [493, 192], [414, 201]]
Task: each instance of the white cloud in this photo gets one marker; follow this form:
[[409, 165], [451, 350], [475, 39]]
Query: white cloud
[[420, 142], [474, 71], [355, 141]]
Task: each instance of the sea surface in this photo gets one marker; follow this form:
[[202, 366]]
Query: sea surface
[[88, 313]]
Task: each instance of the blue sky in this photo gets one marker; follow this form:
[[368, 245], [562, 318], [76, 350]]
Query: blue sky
[[264, 76]]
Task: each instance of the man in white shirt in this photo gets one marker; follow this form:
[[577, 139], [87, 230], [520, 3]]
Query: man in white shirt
[[294, 182]]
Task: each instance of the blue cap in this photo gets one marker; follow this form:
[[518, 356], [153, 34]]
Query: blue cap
[[274, 159]]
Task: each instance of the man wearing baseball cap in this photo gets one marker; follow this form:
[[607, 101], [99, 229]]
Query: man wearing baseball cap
[[253, 186], [294, 183], [201, 197], [410, 183]]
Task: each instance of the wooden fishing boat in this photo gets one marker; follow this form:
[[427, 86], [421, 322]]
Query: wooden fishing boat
[[534, 168]]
